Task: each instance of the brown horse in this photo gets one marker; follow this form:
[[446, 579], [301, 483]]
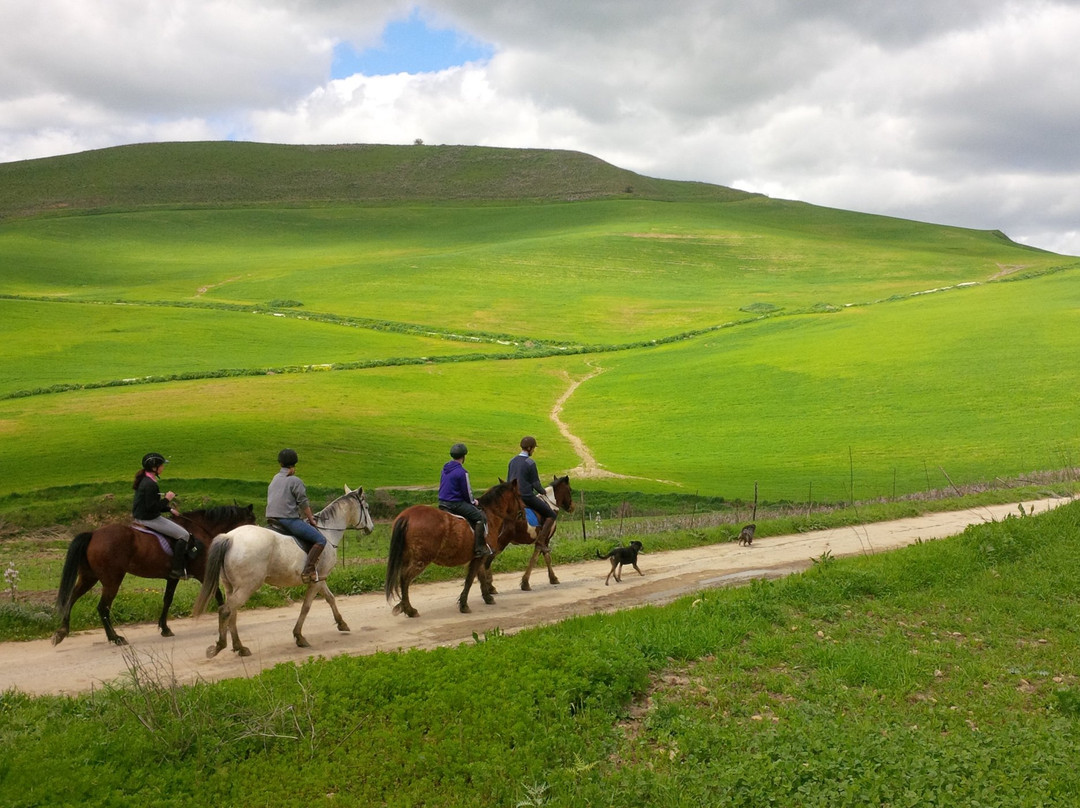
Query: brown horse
[[424, 535], [560, 495], [114, 550]]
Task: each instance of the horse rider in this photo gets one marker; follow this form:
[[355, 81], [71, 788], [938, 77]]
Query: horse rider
[[455, 496], [149, 508], [287, 505], [523, 469]]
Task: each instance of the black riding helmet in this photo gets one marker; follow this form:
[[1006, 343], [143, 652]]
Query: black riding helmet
[[152, 460], [458, 451], [287, 458]]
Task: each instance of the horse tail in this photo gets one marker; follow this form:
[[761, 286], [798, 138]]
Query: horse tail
[[215, 559], [76, 555], [395, 559]]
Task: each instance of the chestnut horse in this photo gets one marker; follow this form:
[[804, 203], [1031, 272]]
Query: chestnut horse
[[424, 535], [561, 498], [110, 552]]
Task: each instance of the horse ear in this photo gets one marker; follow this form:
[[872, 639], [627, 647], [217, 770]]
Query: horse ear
[[566, 479], [502, 481], [348, 490]]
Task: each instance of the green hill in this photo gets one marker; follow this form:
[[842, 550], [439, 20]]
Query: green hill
[[371, 305], [215, 174]]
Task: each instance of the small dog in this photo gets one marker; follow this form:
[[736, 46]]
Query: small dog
[[746, 535], [620, 556]]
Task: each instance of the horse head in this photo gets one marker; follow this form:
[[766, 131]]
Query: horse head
[[564, 497], [358, 515]]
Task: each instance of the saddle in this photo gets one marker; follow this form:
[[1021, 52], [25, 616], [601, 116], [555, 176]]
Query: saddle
[[166, 543], [276, 526]]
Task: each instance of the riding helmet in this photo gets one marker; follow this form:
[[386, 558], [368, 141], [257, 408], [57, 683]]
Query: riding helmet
[[458, 451], [152, 460], [528, 443], [287, 458]]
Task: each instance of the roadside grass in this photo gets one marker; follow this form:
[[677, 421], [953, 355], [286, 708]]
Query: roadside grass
[[939, 674]]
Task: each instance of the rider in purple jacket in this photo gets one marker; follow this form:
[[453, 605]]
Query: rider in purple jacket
[[455, 496]]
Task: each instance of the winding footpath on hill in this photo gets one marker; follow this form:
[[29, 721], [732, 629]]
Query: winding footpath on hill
[[86, 660], [588, 469]]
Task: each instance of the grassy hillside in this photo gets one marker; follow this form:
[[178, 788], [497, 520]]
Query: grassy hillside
[[229, 174], [343, 300]]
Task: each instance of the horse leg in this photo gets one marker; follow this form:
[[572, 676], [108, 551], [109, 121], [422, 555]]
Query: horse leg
[[463, 601], [485, 574], [528, 569], [309, 596], [84, 584], [104, 608], [551, 572], [407, 575], [163, 621], [328, 596]]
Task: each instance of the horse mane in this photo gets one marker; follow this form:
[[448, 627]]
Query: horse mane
[[494, 494], [217, 513]]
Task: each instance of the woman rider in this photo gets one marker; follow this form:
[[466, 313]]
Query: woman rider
[[149, 508]]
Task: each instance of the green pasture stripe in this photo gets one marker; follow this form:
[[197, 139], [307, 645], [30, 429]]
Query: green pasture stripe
[[969, 384], [973, 384], [50, 347]]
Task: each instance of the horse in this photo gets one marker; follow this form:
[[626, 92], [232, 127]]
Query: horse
[[559, 495], [423, 535], [110, 552], [247, 557]]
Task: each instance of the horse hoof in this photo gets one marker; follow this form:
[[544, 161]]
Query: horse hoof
[[118, 640], [490, 601], [525, 586], [494, 591], [553, 580], [343, 627], [301, 643], [464, 608], [212, 651], [58, 637], [412, 613], [242, 651], [167, 632]]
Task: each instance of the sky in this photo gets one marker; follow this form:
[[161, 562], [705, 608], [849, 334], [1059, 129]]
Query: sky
[[960, 112]]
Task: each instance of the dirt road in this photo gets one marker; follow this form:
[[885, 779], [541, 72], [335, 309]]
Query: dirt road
[[85, 660]]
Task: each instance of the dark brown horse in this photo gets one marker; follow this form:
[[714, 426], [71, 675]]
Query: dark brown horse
[[559, 494], [425, 535], [112, 551]]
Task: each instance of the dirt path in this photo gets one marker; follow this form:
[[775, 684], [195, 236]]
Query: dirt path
[[85, 660], [589, 469]]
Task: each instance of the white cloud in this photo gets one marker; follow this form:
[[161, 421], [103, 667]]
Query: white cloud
[[953, 111]]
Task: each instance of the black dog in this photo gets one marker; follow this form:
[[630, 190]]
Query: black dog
[[746, 535], [620, 556]]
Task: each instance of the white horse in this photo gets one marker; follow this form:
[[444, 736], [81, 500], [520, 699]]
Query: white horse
[[249, 556]]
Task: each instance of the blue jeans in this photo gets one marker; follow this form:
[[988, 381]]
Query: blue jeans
[[302, 530]]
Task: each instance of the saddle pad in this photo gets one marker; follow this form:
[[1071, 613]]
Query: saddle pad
[[532, 518], [165, 545]]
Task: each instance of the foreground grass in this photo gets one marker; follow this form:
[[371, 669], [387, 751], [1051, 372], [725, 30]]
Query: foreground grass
[[941, 674]]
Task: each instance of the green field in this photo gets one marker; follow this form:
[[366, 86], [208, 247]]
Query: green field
[[370, 306]]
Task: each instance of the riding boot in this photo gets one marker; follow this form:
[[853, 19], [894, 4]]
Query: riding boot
[[308, 576], [179, 556], [482, 549], [543, 533]]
